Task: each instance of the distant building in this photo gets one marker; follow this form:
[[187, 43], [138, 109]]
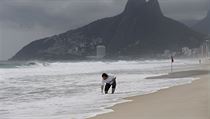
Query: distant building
[[208, 45], [100, 51], [205, 47], [186, 51]]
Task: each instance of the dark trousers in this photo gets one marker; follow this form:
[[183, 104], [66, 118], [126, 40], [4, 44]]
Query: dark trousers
[[113, 85]]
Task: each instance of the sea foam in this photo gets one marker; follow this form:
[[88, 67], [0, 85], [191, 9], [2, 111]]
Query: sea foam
[[71, 90]]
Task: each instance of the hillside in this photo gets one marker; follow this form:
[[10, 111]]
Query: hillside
[[141, 29]]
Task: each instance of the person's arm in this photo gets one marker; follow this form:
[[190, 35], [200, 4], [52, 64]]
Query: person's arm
[[102, 86], [114, 78], [102, 89]]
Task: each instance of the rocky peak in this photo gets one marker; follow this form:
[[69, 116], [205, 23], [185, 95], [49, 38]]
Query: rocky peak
[[141, 30], [143, 7]]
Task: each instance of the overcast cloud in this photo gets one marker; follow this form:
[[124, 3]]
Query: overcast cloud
[[22, 21]]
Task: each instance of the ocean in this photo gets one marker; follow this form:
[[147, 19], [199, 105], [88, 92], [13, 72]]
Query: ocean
[[71, 90]]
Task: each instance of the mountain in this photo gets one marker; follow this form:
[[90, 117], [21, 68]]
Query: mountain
[[204, 25], [189, 23], [141, 29]]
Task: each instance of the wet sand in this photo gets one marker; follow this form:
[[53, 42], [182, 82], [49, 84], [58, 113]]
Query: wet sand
[[189, 101]]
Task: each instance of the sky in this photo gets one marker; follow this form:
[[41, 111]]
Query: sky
[[22, 21]]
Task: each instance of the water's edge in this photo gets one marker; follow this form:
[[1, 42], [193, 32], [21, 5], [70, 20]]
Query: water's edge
[[127, 99]]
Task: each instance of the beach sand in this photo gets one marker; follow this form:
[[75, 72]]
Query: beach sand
[[189, 101]]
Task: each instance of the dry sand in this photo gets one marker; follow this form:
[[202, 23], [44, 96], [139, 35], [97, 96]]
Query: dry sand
[[182, 102]]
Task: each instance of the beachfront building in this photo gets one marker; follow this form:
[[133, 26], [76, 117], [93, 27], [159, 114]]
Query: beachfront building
[[208, 45], [186, 51], [205, 48], [100, 51]]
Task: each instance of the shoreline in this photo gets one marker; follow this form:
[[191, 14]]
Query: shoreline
[[150, 111]]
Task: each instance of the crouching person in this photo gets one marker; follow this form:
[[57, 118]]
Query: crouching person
[[107, 82]]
